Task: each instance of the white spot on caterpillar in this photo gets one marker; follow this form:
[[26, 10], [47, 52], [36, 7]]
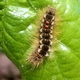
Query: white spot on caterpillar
[[52, 23], [39, 50], [41, 36], [41, 46], [40, 41], [51, 31], [51, 36], [49, 50], [44, 15], [51, 27], [42, 20], [50, 42], [47, 54], [41, 25], [53, 18], [41, 30]]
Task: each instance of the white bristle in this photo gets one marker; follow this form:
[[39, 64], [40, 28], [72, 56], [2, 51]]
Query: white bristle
[[41, 30], [53, 18], [51, 27], [50, 42], [42, 20], [51, 32], [49, 50], [51, 36], [52, 23], [47, 54], [41, 46], [41, 25], [44, 15], [41, 36], [39, 50], [40, 41]]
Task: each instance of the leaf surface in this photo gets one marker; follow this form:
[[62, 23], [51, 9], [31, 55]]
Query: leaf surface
[[20, 33]]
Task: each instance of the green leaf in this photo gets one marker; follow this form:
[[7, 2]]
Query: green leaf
[[20, 38], [1, 26]]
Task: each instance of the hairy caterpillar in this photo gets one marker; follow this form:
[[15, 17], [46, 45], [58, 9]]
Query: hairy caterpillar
[[46, 29]]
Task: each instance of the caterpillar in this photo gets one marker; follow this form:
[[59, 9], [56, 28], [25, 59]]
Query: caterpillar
[[46, 30]]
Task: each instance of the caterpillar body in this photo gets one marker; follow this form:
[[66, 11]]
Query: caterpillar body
[[46, 29]]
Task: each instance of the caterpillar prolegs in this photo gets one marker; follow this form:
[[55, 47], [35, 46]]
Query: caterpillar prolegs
[[46, 29]]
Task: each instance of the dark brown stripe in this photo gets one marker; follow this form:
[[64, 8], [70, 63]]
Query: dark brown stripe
[[45, 47], [46, 36], [46, 41], [46, 30], [42, 52]]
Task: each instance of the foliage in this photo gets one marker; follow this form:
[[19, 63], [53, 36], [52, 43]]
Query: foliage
[[18, 34]]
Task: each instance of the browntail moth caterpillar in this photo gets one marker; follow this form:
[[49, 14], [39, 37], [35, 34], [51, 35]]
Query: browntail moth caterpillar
[[46, 29]]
